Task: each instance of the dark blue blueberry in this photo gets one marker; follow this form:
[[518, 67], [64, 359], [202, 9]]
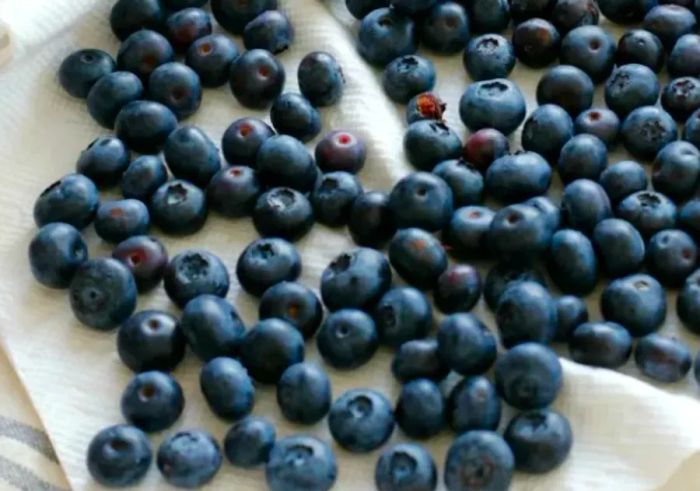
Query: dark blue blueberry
[[465, 344], [55, 253], [333, 198], [521, 10], [227, 388], [681, 97], [104, 160], [256, 78], [473, 404], [304, 393], [639, 46], [489, 15], [571, 313], [348, 339], [421, 200], [529, 376], [570, 14], [626, 11], [638, 302], [283, 212], [590, 48], [445, 27], [412, 7], [119, 456], [540, 440], [355, 279], [572, 263], [623, 179], [631, 86], [234, 15], [320, 78], [620, 247], [582, 157], [691, 130], [546, 131], [418, 359], [191, 155], [689, 218], [189, 458], [685, 56], [536, 42], [143, 177], [408, 76], [243, 139], [696, 370], [427, 143], [361, 420], [269, 348], [271, 30], [185, 26], [176, 86], [485, 146], [73, 200], [497, 104], [249, 442], [669, 23], [144, 126], [648, 211], [550, 211], [600, 344], [584, 204], [671, 257], [129, 16], [386, 34], [403, 314], [152, 401], [489, 56], [81, 69], [212, 327], [110, 93], [458, 289], [418, 257], [479, 460], [676, 170], [647, 130], [179, 208], [526, 312], [266, 262], [102, 293], [292, 114], [503, 275], [360, 8], [294, 303], [151, 340], [600, 122], [688, 303], [195, 272], [405, 467], [144, 51], [466, 236], [420, 409], [119, 220], [211, 58], [234, 191], [301, 463], [425, 106], [371, 222], [341, 151], [284, 161], [662, 358], [519, 233], [568, 87], [145, 257], [517, 177], [184, 4]]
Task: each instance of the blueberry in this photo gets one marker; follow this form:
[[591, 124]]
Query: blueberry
[[234, 191], [536, 42], [669, 23], [421, 200], [458, 289], [418, 359], [227, 388], [405, 467], [144, 126], [177, 87], [81, 69], [671, 257], [663, 359], [625, 11], [195, 272], [629, 87], [144, 51], [143, 177], [73, 200], [526, 312], [341, 151], [386, 34], [184, 4], [403, 314], [355, 279], [304, 393], [600, 344], [568, 87], [572, 262], [119, 456], [420, 409], [271, 30], [185, 26], [102, 293], [582, 157], [321, 78], [465, 344], [480, 460], [151, 340], [590, 48], [445, 27], [623, 179], [179, 208], [249, 442], [584, 205], [212, 327], [294, 303], [104, 160], [689, 218], [519, 233], [620, 247], [371, 222], [284, 161], [473, 404], [412, 7], [55, 253], [647, 130], [418, 257], [292, 114], [234, 16], [360, 8], [191, 155], [283, 212], [128, 16], [497, 104], [427, 143], [684, 58], [546, 131], [361, 420], [681, 97], [521, 10], [503, 275], [242, 141], [570, 14], [427, 105], [648, 211], [638, 302], [517, 177], [489, 56], [211, 58], [119, 220], [333, 197], [269, 348], [145, 257], [691, 130], [676, 170], [549, 210], [540, 440], [301, 463], [152, 401], [639, 45], [688, 303], [110, 93], [266, 262], [489, 15], [408, 76], [571, 313], [189, 458], [348, 339], [484, 147], [256, 78]]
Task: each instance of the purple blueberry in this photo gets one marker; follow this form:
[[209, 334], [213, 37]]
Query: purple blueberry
[[341, 151], [536, 42], [145, 257], [321, 79], [485, 146], [478, 459], [185, 26]]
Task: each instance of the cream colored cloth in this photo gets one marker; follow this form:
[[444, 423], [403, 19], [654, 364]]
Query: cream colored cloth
[[629, 436]]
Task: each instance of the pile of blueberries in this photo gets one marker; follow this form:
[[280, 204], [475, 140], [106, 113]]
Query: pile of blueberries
[[608, 224]]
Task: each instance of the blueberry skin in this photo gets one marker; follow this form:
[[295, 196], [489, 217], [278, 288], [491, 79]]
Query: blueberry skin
[[681, 97], [304, 393], [489, 56], [684, 59], [80, 70], [333, 198], [664, 359], [176, 86], [626, 11], [688, 303], [144, 51], [600, 344], [282, 160], [55, 253], [271, 30], [124, 467], [195, 272], [212, 327], [294, 303], [546, 131], [292, 114], [242, 140], [590, 48], [540, 440], [227, 388], [519, 233], [669, 23], [347, 339], [144, 126], [465, 344], [638, 302], [119, 220], [646, 130], [582, 157], [211, 58], [104, 160], [526, 312], [418, 359], [550, 211], [234, 16], [571, 313], [584, 205], [489, 15], [143, 176], [497, 104], [249, 442], [189, 459], [360, 8], [371, 222], [73, 199], [284, 213], [179, 208], [568, 87], [411, 7], [301, 463], [386, 34], [152, 401], [671, 257], [110, 93], [403, 314], [418, 257], [458, 289], [479, 460], [522, 10], [184, 4], [421, 200], [484, 147], [518, 177], [361, 420], [467, 233], [407, 76], [619, 246], [341, 151], [233, 191], [691, 130], [676, 170], [572, 262], [536, 42], [427, 105], [623, 179], [642, 47], [629, 87], [355, 279], [191, 155], [648, 211], [267, 262], [185, 26], [503, 275], [405, 467], [437, 35], [569, 14], [102, 293], [473, 404], [256, 78], [269, 348], [420, 409], [321, 79], [128, 16], [689, 218], [427, 143], [151, 340]]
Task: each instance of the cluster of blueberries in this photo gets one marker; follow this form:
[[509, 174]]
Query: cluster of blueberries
[[608, 224]]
